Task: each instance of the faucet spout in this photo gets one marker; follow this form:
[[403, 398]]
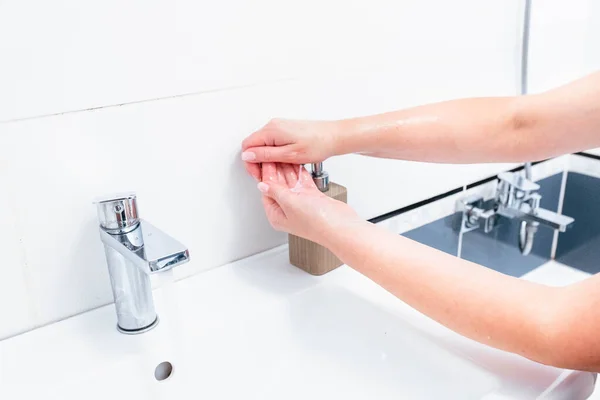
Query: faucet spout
[[148, 248], [516, 197], [544, 217], [134, 249]]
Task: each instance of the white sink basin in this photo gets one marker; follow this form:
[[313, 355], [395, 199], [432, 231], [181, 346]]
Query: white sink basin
[[262, 329]]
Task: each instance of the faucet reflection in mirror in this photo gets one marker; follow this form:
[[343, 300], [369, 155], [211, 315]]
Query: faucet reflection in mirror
[[134, 250]]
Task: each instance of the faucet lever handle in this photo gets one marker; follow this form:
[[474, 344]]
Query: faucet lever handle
[[474, 214]]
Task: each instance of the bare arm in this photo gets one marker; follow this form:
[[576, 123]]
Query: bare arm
[[501, 129], [554, 326], [495, 129]]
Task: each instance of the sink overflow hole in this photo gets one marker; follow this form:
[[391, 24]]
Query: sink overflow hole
[[163, 371]]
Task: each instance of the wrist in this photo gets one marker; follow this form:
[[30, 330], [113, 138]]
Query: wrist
[[338, 237], [346, 137]]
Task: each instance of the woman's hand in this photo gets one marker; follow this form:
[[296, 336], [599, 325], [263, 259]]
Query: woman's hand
[[289, 141], [296, 206]]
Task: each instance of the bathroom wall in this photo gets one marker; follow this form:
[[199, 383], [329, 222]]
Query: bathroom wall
[[563, 42], [156, 96]]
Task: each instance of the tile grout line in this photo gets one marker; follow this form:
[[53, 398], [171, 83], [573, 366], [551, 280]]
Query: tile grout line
[[127, 103], [561, 199], [460, 233]]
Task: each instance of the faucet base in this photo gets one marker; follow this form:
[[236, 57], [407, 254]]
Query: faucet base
[[138, 331]]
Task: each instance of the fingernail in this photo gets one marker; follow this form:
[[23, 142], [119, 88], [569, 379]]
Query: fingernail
[[248, 156], [263, 187]]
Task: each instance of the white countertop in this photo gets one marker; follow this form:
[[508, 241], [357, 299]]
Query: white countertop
[[260, 328]]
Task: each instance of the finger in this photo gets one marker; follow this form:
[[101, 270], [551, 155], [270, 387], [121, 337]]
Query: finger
[[269, 173], [280, 176], [254, 170], [290, 172], [268, 204], [284, 153], [256, 139], [306, 178], [276, 191], [274, 213]]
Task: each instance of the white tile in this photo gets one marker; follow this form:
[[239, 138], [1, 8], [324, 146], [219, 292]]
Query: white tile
[[563, 36], [596, 394], [584, 165], [71, 55], [550, 168], [422, 215], [555, 274], [486, 190], [16, 309], [595, 151]]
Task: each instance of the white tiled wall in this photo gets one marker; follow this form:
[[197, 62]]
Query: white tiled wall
[[197, 78], [72, 55], [564, 42], [17, 308]]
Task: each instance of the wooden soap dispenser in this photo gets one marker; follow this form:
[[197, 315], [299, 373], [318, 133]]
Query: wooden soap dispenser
[[310, 256]]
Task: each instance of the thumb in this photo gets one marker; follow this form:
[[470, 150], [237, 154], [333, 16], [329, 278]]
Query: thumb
[[276, 192], [269, 154]]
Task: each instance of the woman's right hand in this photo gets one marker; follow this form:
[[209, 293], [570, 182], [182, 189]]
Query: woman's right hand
[[293, 204], [289, 141]]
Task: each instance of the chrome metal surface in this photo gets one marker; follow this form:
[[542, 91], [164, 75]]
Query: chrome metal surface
[[528, 173], [528, 229], [320, 177], [516, 197], [147, 247], [134, 250], [527, 232], [525, 47], [317, 168], [518, 181], [118, 213], [544, 217], [138, 331], [474, 215]]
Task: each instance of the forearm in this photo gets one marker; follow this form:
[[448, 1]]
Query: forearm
[[457, 131], [491, 308], [496, 129]]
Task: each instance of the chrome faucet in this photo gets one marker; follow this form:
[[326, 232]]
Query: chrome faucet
[[134, 250], [516, 197]]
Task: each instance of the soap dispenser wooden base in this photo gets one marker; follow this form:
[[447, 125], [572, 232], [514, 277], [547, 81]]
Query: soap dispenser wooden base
[[310, 256]]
